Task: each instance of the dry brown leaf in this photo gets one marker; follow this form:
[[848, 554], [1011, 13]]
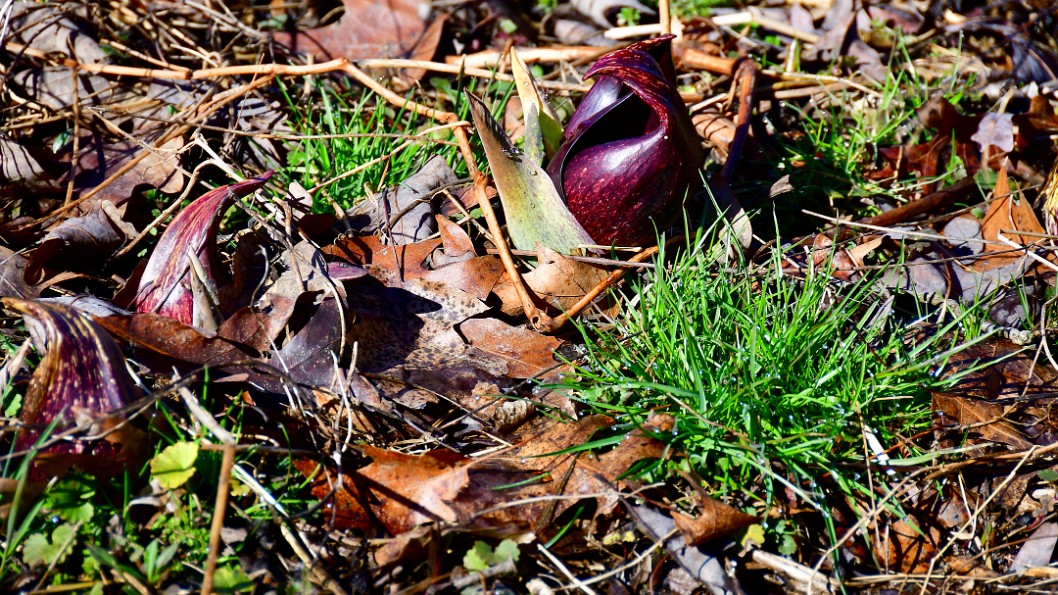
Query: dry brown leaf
[[1003, 369], [526, 352], [560, 281], [905, 547], [457, 244], [979, 417], [715, 519], [1009, 211], [162, 342], [402, 491], [369, 29]]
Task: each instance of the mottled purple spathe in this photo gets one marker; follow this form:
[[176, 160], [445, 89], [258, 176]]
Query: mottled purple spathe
[[630, 152], [165, 287]]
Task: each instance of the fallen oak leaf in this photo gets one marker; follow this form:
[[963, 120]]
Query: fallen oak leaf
[[1007, 214], [402, 491], [368, 29], [527, 353], [980, 417]]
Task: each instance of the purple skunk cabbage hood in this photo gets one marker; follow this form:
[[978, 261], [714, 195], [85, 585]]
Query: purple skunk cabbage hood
[[630, 153], [81, 376], [165, 287]]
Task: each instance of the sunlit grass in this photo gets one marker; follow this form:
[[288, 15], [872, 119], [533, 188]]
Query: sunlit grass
[[355, 144], [773, 379]]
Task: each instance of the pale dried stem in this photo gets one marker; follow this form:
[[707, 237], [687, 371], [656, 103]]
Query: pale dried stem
[[221, 503], [496, 58], [219, 506]]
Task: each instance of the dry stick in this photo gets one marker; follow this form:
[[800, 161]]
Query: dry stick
[[536, 317], [221, 503], [459, 69], [665, 16], [493, 58], [746, 81], [76, 135], [936, 201], [219, 506]]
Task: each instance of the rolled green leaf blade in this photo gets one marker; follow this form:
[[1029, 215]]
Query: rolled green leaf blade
[[542, 128], [535, 211]]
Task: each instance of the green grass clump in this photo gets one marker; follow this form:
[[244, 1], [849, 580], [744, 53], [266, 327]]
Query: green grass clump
[[771, 379], [343, 134], [354, 144]]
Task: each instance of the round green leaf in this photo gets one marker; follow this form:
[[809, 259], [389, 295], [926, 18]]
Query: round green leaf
[[175, 465]]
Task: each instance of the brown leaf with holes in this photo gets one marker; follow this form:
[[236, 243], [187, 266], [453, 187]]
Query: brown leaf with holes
[[526, 352]]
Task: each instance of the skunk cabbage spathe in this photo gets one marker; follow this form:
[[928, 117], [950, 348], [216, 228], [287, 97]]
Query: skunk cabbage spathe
[[166, 285], [630, 153]]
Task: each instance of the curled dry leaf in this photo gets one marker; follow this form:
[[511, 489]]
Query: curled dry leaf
[[163, 343], [12, 267], [404, 212], [81, 378], [715, 519], [90, 238], [165, 287]]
